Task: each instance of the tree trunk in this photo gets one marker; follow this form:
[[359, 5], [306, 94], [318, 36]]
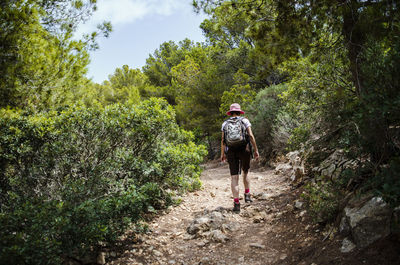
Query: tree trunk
[[374, 126], [354, 40]]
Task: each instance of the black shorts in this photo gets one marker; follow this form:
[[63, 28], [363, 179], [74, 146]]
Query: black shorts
[[239, 157]]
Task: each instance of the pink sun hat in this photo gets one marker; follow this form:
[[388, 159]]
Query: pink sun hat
[[235, 107]]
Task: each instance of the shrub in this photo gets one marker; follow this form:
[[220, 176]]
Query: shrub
[[323, 198], [71, 179], [271, 125], [386, 182]]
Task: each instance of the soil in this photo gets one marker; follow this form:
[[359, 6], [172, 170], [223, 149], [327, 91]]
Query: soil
[[287, 235]]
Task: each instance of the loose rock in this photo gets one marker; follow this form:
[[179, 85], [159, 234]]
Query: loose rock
[[298, 204], [101, 258], [344, 227], [289, 207], [157, 253], [202, 243], [205, 260], [302, 213], [284, 169], [264, 196], [347, 246], [256, 245], [294, 158], [218, 236], [258, 219]]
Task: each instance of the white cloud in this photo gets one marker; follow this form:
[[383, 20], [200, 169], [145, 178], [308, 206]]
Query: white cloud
[[121, 12]]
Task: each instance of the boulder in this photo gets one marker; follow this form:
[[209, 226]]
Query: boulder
[[329, 170], [216, 216], [284, 169], [293, 169], [294, 158], [217, 236], [264, 196], [211, 225], [369, 222], [101, 258], [344, 227], [347, 246], [297, 174], [229, 227], [298, 204], [334, 164], [199, 224]]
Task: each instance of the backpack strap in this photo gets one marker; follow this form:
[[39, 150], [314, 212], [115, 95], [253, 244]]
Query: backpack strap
[[223, 129], [248, 139]]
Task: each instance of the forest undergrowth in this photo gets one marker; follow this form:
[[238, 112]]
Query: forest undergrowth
[[82, 162]]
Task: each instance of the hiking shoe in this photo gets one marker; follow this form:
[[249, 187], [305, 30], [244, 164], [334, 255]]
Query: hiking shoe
[[236, 207], [247, 197]]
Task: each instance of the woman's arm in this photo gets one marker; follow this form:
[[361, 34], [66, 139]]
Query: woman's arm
[[253, 142], [223, 157]]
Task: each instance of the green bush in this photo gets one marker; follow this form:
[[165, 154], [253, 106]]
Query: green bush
[[270, 124], [386, 182], [323, 198], [74, 178]]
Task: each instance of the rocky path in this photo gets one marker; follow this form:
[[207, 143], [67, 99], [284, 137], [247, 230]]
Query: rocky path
[[274, 229]]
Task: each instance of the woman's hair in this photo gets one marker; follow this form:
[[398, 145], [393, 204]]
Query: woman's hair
[[235, 112]]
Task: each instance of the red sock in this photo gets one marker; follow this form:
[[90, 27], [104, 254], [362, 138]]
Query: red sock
[[247, 191], [236, 200]]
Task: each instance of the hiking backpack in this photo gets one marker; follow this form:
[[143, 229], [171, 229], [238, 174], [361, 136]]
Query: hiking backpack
[[235, 133]]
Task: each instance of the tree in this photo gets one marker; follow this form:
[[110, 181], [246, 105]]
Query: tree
[[125, 86], [284, 30], [159, 65], [238, 26], [41, 64], [200, 81]]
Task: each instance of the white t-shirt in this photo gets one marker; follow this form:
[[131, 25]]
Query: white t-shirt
[[245, 121]]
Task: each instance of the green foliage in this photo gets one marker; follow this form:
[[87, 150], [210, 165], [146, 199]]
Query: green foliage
[[259, 23], [197, 79], [74, 178], [323, 198], [340, 69], [159, 65], [299, 136], [269, 126], [378, 116], [241, 93], [340, 62], [42, 65], [125, 86], [386, 182], [199, 88]]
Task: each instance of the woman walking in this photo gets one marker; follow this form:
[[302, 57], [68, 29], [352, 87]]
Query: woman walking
[[237, 142]]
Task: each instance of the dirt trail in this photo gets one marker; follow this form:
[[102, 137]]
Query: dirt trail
[[270, 230]]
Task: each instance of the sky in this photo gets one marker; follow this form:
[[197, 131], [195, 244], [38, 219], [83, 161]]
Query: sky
[[139, 28]]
